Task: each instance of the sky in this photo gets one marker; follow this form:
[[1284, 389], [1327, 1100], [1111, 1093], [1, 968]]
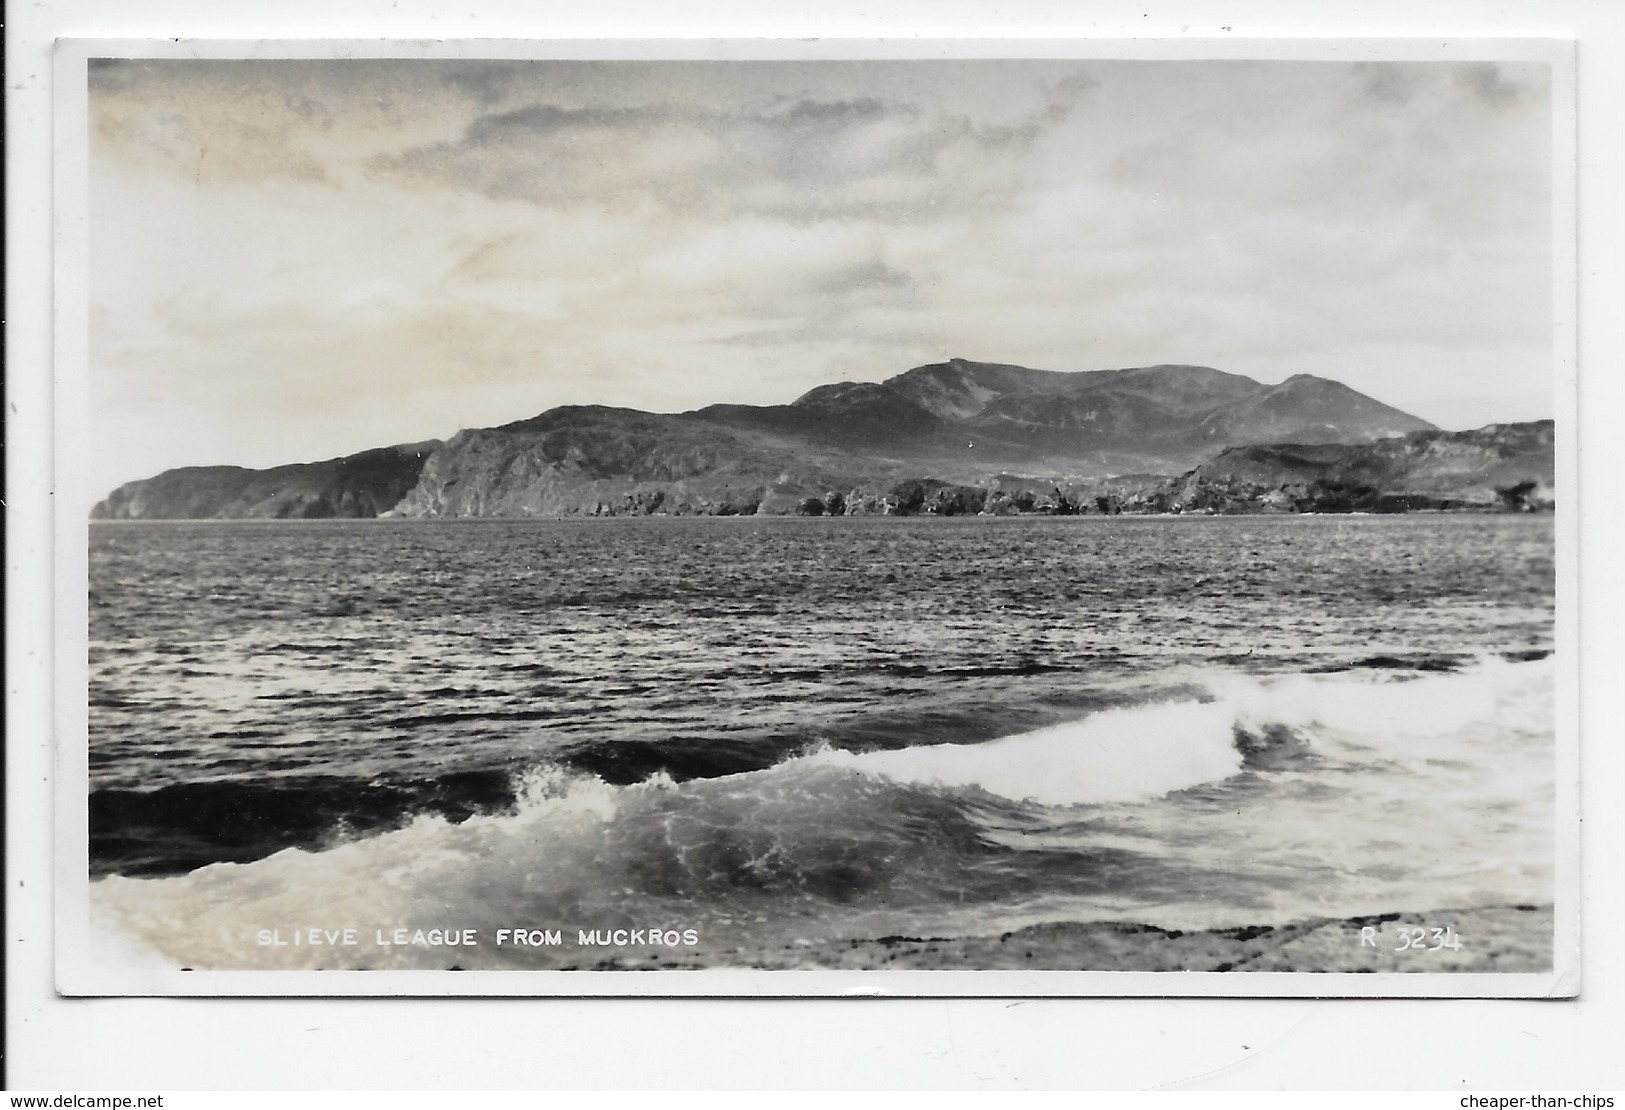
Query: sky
[[292, 260]]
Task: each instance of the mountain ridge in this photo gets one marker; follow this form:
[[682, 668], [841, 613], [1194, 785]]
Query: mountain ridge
[[939, 437]]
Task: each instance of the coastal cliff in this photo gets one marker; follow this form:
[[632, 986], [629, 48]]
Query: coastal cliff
[[361, 485], [1502, 466]]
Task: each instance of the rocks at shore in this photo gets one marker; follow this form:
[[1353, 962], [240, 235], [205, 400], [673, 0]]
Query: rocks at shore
[[1491, 939], [1494, 939], [952, 439]]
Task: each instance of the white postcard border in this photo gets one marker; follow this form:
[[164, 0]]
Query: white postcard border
[[79, 975]]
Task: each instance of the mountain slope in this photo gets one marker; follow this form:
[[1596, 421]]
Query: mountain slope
[[1180, 411], [360, 485], [855, 416], [1306, 409], [595, 461]]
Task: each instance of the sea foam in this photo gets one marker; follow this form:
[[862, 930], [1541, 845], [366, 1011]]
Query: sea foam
[[1113, 756]]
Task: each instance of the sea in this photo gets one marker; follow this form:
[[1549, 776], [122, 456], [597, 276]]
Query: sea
[[742, 738]]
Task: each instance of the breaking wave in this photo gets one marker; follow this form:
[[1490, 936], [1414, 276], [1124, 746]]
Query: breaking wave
[[1149, 751], [1114, 815]]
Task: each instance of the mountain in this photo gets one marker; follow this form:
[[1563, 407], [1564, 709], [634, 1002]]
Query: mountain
[[950, 437], [1177, 408], [963, 419]]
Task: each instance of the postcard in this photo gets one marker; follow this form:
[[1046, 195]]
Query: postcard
[[816, 518]]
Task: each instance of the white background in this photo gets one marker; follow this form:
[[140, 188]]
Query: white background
[[178, 1043]]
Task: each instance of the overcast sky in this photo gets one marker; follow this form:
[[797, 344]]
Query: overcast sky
[[292, 260]]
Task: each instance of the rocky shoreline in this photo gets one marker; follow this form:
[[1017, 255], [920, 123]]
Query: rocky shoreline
[[1493, 939]]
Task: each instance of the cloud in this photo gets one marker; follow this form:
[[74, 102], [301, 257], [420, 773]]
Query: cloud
[[1491, 85], [539, 122], [243, 138], [799, 157], [484, 82], [871, 274], [1389, 84]]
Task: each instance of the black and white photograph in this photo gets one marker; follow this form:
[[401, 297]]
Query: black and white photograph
[[608, 521]]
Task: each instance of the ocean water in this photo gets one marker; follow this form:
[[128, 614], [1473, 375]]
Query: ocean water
[[778, 735]]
